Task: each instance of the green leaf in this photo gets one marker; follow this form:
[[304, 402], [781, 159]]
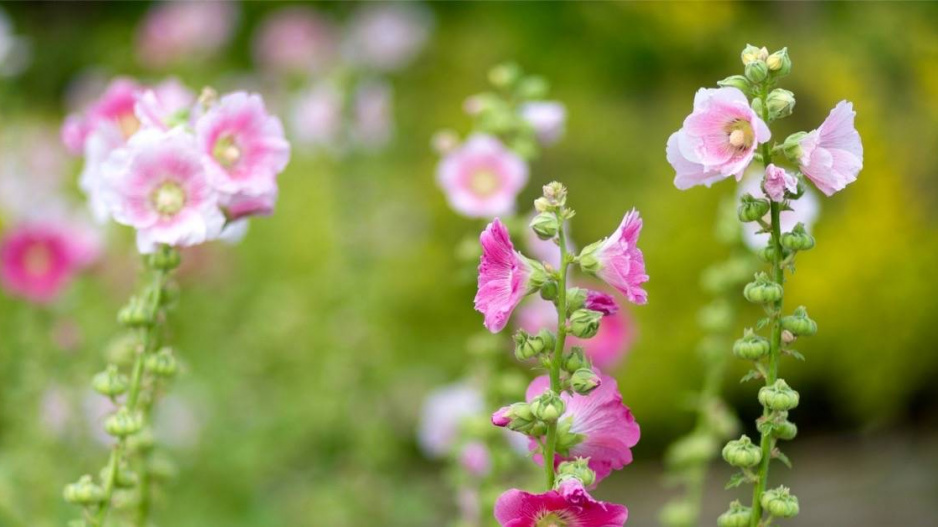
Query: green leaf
[[764, 321], [777, 454], [753, 374], [795, 354], [735, 481]]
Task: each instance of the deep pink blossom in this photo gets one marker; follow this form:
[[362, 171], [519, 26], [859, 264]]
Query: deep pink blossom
[[618, 261], [832, 156], [608, 429], [516, 508], [482, 178], [38, 260], [777, 181], [718, 139], [504, 277], [184, 31], [296, 40], [599, 301], [548, 118]]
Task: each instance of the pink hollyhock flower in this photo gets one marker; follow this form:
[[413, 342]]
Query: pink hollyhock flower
[[516, 508], [618, 261], [245, 205], [599, 301], [832, 156], [475, 459], [39, 260], [504, 277], [295, 40], [158, 184], [371, 125], [608, 428], [243, 146], [482, 178], [388, 36], [74, 133], [164, 105], [443, 412], [548, 119], [316, 118], [803, 210], [718, 140], [777, 181], [184, 31]]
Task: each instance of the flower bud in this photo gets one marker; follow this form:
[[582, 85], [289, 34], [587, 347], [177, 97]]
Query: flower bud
[[566, 438], [83, 492], [736, 81], [736, 516], [678, 513], [533, 87], [779, 502], [778, 396], [579, 469], [550, 290], [518, 417], [798, 239], [124, 478], [164, 258], [799, 324], [142, 441], [161, 363], [505, 75], [762, 290], [122, 423], [751, 54], [742, 453], [757, 71], [555, 195], [691, 450], [757, 106], [780, 103], [575, 360], [444, 141], [545, 225], [136, 313], [584, 381], [785, 430], [779, 63], [584, 323], [110, 382], [548, 407], [751, 346], [768, 253], [792, 146], [576, 298], [752, 209]]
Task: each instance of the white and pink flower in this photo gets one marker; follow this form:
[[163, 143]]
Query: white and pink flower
[[832, 156], [618, 261], [804, 210], [516, 508], [387, 37], [316, 117], [777, 181], [482, 178], [442, 415], [165, 105], [504, 277], [296, 40], [718, 139], [548, 118]]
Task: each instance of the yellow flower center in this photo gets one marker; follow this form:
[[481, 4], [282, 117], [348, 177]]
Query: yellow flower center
[[740, 134], [226, 151], [554, 519], [484, 183], [169, 198], [37, 260]]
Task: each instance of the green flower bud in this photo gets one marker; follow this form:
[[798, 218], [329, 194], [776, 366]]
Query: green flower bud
[[567, 439], [579, 469], [550, 290], [751, 346], [555, 194], [142, 441], [584, 323], [575, 360], [524, 146], [762, 290], [752, 54], [678, 513], [757, 71], [780, 103], [779, 502], [587, 259], [757, 106], [545, 225], [83, 492], [576, 298], [161, 363], [533, 87], [792, 146], [799, 324], [136, 313], [124, 478], [736, 81], [798, 239], [122, 423], [785, 430], [538, 276], [752, 209], [742, 453], [504, 75], [165, 258], [736, 516], [691, 450], [768, 253], [778, 396], [548, 407], [779, 63], [110, 382], [584, 381]]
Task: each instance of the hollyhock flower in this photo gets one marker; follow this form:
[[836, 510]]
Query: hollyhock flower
[[442, 414], [804, 210], [475, 459], [38, 260], [181, 31], [832, 156], [505, 277], [548, 119], [618, 261], [482, 178], [777, 181], [388, 36], [245, 205], [371, 125], [316, 118], [295, 40], [516, 508], [718, 139], [162, 106], [608, 428], [243, 146], [158, 184], [599, 301]]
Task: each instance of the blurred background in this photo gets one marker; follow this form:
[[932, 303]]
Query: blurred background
[[310, 346]]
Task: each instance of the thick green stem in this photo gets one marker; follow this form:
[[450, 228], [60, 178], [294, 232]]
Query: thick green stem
[[557, 357]]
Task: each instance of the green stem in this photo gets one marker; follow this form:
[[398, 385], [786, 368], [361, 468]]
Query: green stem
[[557, 357]]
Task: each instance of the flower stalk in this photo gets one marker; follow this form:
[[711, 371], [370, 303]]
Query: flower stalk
[[556, 358]]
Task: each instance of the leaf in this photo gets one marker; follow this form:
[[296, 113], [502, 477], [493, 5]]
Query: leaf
[[753, 374], [764, 321], [777, 454], [735, 481], [795, 354]]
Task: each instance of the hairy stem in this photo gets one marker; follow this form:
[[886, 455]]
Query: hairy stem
[[557, 357]]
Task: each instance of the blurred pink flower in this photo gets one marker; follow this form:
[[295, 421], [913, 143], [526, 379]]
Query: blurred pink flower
[[504, 277], [296, 40], [241, 206], [548, 118], [184, 31], [804, 210], [516, 508], [777, 181], [316, 118], [608, 428], [618, 260], [160, 106], [372, 120], [482, 178], [387, 36], [54, 410], [718, 139], [475, 459], [832, 156], [442, 415]]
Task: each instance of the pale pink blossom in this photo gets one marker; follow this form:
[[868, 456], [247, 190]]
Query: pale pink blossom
[[482, 178], [443, 413], [179, 31], [548, 118], [516, 508], [777, 181], [607, 427], [296, 40], [371, 119], [618, 261], [387, 36], [165, 105], [832, 156], [158, 184], [805, 210], [316, 117], [718, 139], [504, 277], [475, 459], [241, 206]]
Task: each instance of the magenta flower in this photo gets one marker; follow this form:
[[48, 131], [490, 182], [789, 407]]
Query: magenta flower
[[504, 277], [158, 185], [243, 146], [608, 429], [38, 260], [777, 181], [164, 106], [832, 156], [183, 31], [718, 140], [618, 261], [482, 178], [599, 301], [296, 40], [548, 118], [516, 508]]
